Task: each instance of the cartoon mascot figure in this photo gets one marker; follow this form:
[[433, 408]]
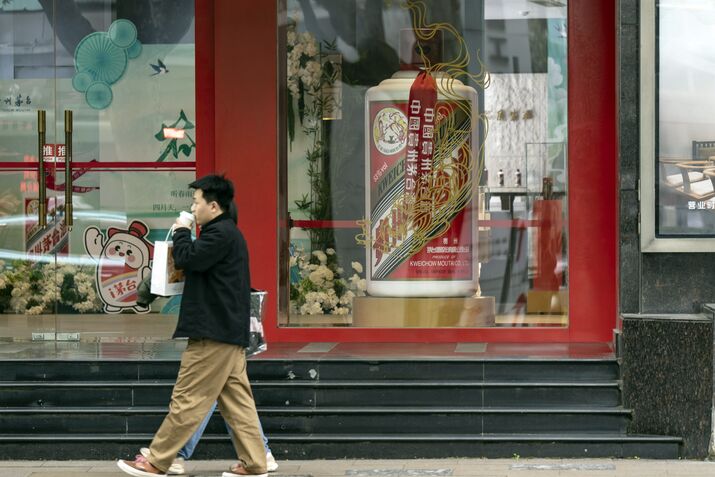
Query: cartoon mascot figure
[[123, 262]]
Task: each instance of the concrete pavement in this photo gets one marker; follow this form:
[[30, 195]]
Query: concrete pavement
[[397, 468]]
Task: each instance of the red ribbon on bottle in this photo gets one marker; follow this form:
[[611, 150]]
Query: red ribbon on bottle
[[420, 131]]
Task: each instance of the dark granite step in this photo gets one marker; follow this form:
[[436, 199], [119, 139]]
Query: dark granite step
[[323, 393], [308, 421], [323, 408], [551, 370], [109, 446]]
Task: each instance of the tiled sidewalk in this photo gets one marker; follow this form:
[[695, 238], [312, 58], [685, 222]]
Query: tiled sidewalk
[[397, 468]]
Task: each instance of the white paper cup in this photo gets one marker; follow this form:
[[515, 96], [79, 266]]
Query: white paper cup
[[186, 218]]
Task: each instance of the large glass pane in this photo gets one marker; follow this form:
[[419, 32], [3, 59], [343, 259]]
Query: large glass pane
[[116, 222], [27, 258], [126, 69], [125, 72], [91, 286], [424, 167], [685, 155], [27, 248]]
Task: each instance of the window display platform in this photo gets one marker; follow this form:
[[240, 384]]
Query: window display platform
[[514, 319], [380, 312]]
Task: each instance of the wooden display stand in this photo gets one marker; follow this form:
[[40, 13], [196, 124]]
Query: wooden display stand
[[547, 301], [382, 312]]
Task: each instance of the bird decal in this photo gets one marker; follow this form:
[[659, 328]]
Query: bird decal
[[159, 68], [561, 30]]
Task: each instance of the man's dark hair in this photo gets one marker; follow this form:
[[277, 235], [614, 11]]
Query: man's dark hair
[[215, 189], [233, 212]]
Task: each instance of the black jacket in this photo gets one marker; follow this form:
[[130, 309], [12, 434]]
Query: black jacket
[[217, 293]]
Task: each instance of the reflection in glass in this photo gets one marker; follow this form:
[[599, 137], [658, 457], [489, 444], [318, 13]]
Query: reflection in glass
[[685, 159], [94, 268], [402, 219], [126, 70]]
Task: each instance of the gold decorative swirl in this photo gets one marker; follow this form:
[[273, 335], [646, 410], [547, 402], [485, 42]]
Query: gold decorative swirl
[[447, 190]]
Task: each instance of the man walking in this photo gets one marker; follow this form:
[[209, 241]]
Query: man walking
[[215, 316]]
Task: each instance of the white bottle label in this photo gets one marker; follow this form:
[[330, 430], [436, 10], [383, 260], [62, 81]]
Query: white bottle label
[[438, 244]]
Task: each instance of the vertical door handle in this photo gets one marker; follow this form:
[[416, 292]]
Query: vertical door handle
[[41, 179], [68, 169]]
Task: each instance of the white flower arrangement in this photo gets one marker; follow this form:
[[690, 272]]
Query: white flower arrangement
[[319, 287], [303, 62], [34, 288]]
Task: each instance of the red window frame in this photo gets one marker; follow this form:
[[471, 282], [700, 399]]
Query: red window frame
[[237, 104]]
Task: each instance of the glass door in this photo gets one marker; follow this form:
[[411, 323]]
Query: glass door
[[31, 222], [116, 82]]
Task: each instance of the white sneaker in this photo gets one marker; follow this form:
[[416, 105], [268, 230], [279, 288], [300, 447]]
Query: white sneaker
[[177, 467], [271, 463]]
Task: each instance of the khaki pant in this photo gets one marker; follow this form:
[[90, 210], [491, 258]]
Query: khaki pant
[[211, 371]]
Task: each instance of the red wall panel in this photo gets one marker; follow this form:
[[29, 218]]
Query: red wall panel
[[593, 170], [204, 35], [245, 127]]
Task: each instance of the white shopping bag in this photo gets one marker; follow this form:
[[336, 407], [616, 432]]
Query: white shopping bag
[[166, 279], [257, 341]]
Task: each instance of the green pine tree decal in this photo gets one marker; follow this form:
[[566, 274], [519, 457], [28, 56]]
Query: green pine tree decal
[[173, 147]]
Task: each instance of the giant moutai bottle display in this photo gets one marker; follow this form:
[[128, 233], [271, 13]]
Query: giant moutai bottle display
[[420, 184]]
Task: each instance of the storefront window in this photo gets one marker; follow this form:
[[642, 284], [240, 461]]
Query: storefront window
[[125, 69], [423, 163], [685, 142]]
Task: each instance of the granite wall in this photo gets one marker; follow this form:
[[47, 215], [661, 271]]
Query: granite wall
[[667, 372], [667, 348], [649, 282]]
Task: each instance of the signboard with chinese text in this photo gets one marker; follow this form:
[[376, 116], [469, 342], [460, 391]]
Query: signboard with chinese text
[[49, 240], [54, 152]]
